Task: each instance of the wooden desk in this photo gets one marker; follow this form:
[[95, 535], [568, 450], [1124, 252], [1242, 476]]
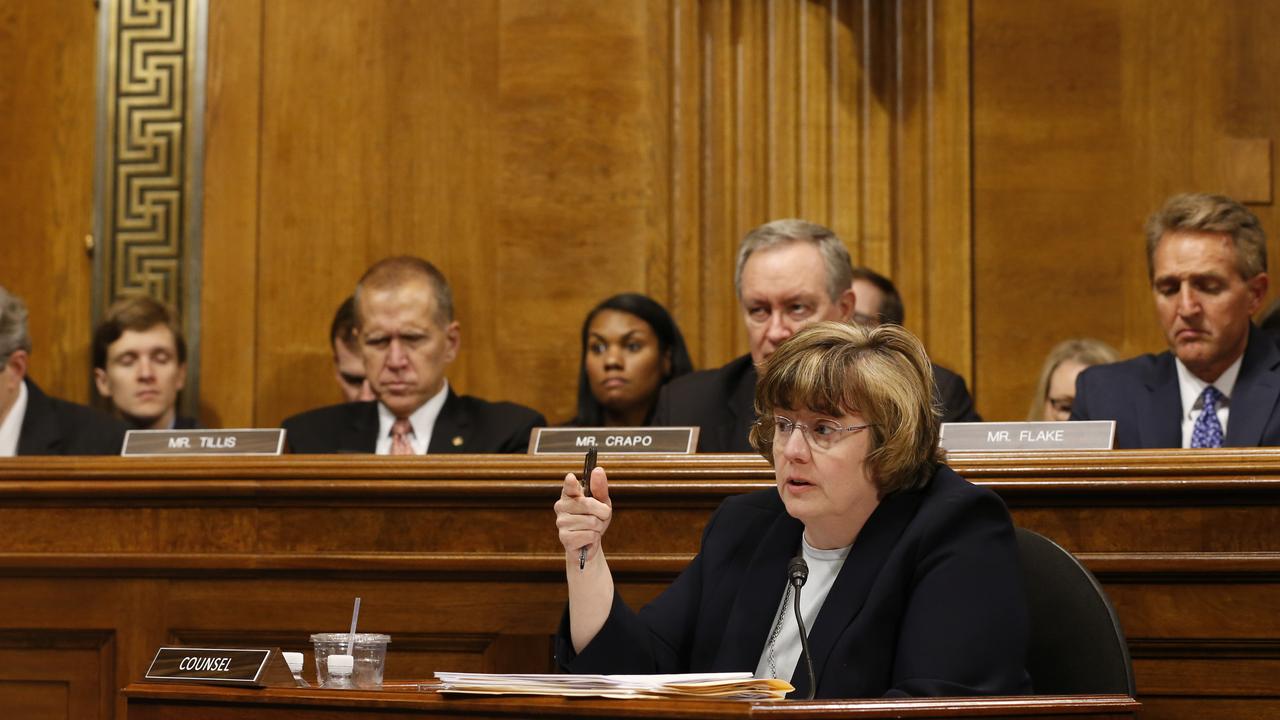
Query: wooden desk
[[103, 560], [193, 702]]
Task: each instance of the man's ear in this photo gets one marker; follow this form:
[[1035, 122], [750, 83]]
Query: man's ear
[[453, 340], [846, 304], [100, 380], [17, 363], [1258, 285]]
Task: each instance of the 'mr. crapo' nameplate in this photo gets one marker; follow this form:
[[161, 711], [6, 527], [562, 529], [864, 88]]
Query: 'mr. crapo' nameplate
[[203, 442], [223, 666], [555, 441], [997, 436]]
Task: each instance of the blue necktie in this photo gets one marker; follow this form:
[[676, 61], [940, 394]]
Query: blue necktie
[[1208, 431]]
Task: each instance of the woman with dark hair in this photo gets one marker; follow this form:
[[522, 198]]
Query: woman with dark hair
[[630, 348]]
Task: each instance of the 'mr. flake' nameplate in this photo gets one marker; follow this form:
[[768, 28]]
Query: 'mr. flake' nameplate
[[997, 436], [223, 666], [203, 442], [665, 440]]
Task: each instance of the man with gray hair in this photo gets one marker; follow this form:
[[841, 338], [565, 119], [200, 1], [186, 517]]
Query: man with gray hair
[[408, 338], [32, 423], [789, 273], [1219, 382]]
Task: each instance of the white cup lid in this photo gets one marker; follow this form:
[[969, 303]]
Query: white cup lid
[[293, 660], [341, 664]]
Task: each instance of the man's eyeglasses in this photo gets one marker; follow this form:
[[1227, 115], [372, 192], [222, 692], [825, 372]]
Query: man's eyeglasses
[[821, 434]]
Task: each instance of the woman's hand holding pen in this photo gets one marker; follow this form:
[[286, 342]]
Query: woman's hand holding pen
[[583, 520]]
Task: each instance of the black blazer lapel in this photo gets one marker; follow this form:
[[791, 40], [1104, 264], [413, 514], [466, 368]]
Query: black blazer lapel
[[849, 592], [742, 404], [40, 433], [360, 434], [1253, 400], [452, 431], [754, 611], [1159, 416]]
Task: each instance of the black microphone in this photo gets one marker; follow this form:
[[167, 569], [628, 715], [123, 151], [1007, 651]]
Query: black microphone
[[798, 573]]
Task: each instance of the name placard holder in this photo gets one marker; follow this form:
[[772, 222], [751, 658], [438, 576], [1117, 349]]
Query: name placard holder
[[1023, 436], [633, 440], [241, 667], [245, 441]]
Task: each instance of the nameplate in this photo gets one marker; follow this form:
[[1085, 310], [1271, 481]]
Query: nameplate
[[257, 667], [637, 440], [203, 442], [998, 436]]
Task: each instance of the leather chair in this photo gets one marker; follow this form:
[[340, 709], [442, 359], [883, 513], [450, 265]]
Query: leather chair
[[1077, 645]]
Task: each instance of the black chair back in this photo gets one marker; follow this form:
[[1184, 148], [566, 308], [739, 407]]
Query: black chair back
[[1077, 645]]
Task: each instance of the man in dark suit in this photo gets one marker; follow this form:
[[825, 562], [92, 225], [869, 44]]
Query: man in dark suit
[[1219, 382], [789, 273], [140, 363], [32, 423], [408, 337], [876, 301], [348, 362]]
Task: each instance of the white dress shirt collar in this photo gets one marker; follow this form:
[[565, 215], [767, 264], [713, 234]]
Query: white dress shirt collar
[[1191, 388], [11, 426], [423, 420]]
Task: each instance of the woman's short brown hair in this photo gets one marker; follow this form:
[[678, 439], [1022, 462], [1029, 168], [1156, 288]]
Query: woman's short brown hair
[[881, 373]]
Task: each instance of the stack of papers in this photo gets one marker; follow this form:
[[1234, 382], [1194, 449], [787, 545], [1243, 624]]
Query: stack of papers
[[731, 686]]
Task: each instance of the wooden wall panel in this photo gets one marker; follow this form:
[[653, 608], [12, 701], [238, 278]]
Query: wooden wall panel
[[1086, 116], [486, 137], [229, 296], [834, 111], [47, 62]]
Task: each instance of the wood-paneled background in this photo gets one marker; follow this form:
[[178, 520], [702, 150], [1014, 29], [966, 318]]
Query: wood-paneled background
[[997, 159]]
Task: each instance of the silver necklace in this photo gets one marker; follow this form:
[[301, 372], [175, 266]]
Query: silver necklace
[[777, 630]]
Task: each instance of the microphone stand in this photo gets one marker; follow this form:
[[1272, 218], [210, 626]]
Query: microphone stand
[[798, 573]]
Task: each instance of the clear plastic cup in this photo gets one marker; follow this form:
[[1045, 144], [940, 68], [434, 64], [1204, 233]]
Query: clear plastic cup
[[370, 655]]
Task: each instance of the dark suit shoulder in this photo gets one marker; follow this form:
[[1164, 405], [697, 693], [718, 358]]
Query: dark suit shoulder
[[53, 426], [952, 393], [475, 425], [719, 401], [333, 429]]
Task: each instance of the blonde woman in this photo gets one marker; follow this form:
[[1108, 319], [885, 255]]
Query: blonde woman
[[1056, 388]]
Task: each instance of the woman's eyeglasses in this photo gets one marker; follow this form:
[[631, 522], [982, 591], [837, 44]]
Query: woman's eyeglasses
[[821, 434]]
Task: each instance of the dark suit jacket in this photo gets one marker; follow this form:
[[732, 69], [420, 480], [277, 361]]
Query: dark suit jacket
[[1143, 397], [57, 427], [722, 403], [928, 602], [465, 425]]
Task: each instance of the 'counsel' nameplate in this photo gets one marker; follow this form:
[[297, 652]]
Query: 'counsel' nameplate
[[997, 436], [644, 440], [223, 666], [203, 442]]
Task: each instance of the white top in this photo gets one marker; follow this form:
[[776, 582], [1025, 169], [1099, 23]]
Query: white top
[[423, 421], [11, 425], [1192, 387], [824, 565]]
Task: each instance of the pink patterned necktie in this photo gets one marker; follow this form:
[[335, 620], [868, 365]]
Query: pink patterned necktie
[[400, 432]]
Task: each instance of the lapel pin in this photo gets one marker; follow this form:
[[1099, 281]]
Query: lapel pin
[[457, 441]]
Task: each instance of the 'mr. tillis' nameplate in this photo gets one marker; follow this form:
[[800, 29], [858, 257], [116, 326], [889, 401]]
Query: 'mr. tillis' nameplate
[[224, 666], [664, 440], [998, 436], [203, 442]]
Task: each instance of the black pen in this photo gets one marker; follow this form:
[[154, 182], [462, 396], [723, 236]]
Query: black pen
[[587, 467]]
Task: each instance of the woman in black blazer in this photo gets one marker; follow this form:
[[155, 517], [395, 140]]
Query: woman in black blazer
[[914, 584]]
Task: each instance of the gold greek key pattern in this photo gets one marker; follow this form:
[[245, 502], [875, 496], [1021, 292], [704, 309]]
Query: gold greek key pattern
[[148, 105]]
